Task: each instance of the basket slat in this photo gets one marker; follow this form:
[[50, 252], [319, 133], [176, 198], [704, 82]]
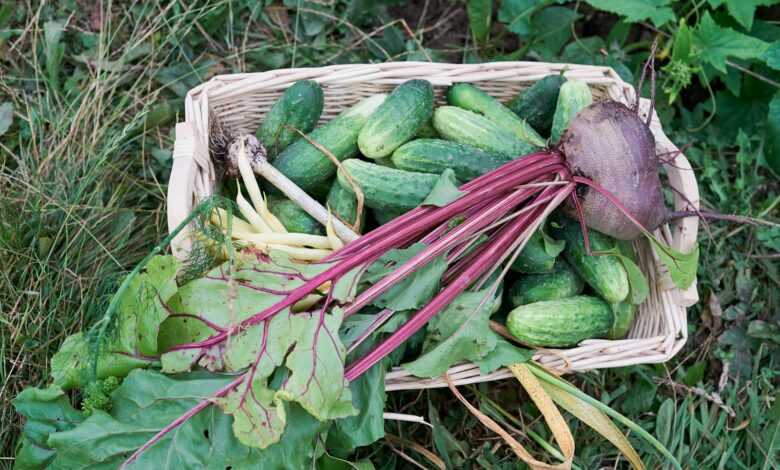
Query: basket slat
[[241, 100]]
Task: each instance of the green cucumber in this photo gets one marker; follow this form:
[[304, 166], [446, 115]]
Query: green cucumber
[[537, 104], [398, 119], [343, 204], [311, 169], [573, 97], [561, 322], [293, 218], [624, 317], [387, 188], [561, 283], [535, 258], [466, 127], [467, 96], [604, 273], [299, 107], [436, 155]]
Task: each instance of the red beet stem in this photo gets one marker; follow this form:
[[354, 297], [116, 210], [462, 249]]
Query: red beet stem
[[491, 254]]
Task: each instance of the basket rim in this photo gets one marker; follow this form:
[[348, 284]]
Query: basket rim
[[191, 161]]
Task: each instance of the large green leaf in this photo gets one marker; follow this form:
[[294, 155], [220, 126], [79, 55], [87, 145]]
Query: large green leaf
[[45, 411], [714, 44], [460, 332], [148, 401], [657, 11], [306, 344]]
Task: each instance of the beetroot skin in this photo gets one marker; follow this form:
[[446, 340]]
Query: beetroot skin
[[611, 145]]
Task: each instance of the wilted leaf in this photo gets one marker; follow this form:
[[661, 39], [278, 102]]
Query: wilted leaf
[[596, 419]]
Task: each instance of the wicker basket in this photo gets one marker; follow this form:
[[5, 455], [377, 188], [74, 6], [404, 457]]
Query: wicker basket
[[240, 100]]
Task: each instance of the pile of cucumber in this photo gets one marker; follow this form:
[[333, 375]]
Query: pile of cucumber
[[394, 148]]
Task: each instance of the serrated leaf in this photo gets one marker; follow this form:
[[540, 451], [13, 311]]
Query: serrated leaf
[[444, 191], [744, 10], [714, 44], [45, 411], [480, 14], [659, 12], [415, 290], [6, 116], [148, 401], [459, 332]]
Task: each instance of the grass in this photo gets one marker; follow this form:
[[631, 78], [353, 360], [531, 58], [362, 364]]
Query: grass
[[84, 164]]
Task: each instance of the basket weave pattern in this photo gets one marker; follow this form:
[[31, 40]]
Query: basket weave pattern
[[241, 100]]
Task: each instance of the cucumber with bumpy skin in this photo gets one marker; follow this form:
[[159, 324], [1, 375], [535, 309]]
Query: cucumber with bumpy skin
[[311, 169], [293, 218], [466, 127], [573, 97], [387, 188], [467, 96], [537, 104], [299, 107], [561, 283], [343, 204], [535, 258], [436, 155], [398, 119], [604, 273], [561, 322]]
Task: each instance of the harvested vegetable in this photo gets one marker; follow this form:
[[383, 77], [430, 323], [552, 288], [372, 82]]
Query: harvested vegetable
[[561, 322], [298, 109]]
